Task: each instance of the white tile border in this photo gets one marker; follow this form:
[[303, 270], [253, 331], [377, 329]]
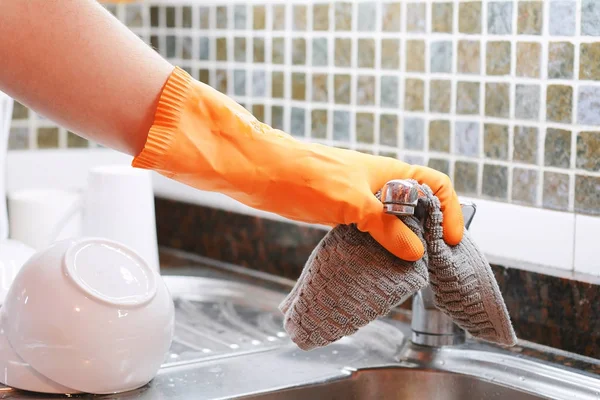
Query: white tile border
[[504, 231], [587, 244], [56, 169], [532, 235]]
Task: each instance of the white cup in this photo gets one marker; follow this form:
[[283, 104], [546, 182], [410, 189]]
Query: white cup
[[119, 205], [36, 216]]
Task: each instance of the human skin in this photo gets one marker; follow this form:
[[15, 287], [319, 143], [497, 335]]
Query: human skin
[[76, 64]]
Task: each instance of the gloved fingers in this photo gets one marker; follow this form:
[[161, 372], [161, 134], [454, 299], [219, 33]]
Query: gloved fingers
[[453, 221], [397, 238], [392, 234], [387, 169], [441, 185]]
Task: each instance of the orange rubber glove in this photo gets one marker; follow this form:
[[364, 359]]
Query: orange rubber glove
[[206, 140]]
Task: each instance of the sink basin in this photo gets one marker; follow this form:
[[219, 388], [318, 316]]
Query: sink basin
[[405, 384], [229, 344]]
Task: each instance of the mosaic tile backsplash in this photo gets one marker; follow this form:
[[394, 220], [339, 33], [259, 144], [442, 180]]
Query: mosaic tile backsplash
[[503, 96]]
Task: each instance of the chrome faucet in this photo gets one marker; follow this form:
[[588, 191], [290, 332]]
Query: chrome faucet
[[430, 327]]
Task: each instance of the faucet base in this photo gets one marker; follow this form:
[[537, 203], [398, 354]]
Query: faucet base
[[430, 326], [433, 340]]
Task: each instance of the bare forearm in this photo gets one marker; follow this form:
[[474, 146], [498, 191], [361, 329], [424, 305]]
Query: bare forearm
[[73, 62]]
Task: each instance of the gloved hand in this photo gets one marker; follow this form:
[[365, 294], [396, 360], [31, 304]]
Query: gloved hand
[[206, 140]]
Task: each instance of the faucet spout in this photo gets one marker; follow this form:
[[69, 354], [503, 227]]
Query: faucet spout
[[430, 326]]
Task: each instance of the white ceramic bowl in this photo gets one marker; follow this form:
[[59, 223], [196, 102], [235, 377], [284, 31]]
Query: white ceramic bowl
[[16, 373], [90, 314], [13, 254]]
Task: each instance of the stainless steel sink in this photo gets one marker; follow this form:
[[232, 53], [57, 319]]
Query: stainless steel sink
[[470, 371], [396, 383], [229, 344]]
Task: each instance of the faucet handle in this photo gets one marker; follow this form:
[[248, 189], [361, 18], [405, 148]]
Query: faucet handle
[[468, 209], [400, 197]]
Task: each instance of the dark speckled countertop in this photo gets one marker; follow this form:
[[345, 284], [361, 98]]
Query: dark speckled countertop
[[549, 308]]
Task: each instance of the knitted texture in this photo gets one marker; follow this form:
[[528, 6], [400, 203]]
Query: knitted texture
[[350, 280], [463, 282]]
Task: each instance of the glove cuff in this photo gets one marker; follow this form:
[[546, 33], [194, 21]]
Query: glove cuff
[[166, 120]]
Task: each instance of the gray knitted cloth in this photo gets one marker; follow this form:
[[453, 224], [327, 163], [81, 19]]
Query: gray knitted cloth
[[350, 280]]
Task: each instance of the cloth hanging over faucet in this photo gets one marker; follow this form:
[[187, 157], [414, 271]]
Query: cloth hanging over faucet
[[350, 280]]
